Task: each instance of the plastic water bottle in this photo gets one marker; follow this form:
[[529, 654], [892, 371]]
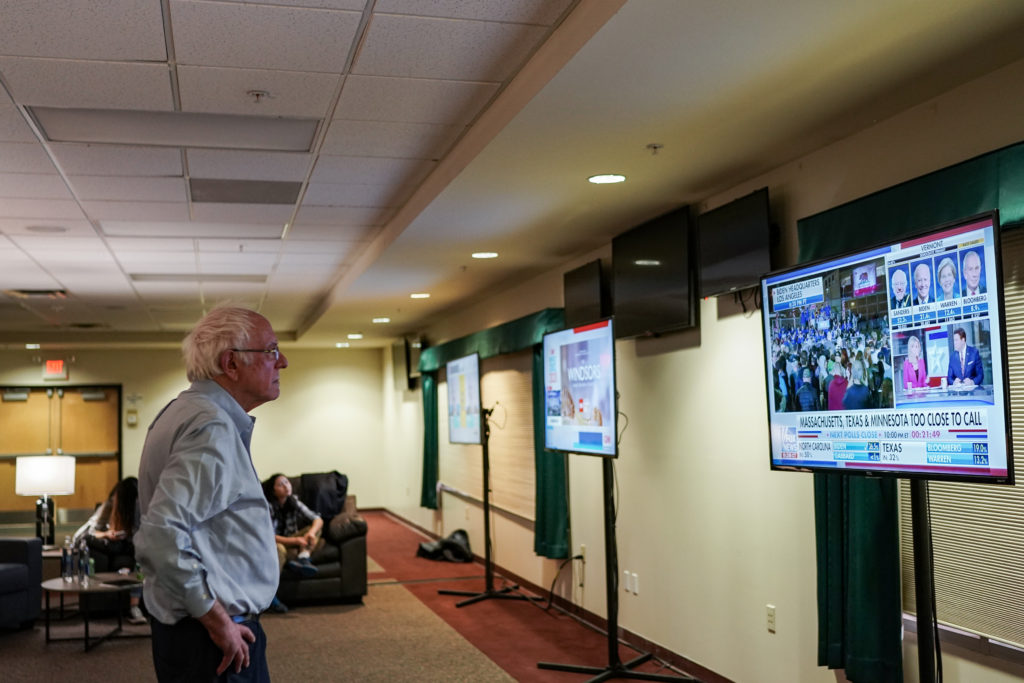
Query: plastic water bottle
[[83, 564], [73, 561], [66, 556]]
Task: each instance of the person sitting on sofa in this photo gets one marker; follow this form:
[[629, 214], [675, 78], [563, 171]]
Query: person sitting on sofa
[[109, 532], [296, 529]]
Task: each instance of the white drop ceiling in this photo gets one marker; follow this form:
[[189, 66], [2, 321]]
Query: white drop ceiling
[[439, 128]]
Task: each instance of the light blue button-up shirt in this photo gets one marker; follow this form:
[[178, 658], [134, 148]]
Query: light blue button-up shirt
[[205, 532]]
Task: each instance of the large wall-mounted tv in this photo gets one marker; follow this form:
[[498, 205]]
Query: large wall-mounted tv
[[653, 277], [735, 244], [579, 384], [914, 334], [585, 294], [463, 376]]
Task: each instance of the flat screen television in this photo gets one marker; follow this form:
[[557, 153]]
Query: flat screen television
[[585, 294], [915, 377], [463, 376], [653, 277], [735, 244], [579, 390]]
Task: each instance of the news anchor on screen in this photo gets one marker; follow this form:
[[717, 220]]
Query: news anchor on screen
[[965, 364]]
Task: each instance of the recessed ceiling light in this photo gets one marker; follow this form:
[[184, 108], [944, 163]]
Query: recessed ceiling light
[[342, 345], [647, 262], [355, 335], [419, 295], [607, 178], [485, 254], [380, 321], [31, 346]]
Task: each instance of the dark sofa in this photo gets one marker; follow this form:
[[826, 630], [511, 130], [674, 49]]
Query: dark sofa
[[342, 559], [21, 577]]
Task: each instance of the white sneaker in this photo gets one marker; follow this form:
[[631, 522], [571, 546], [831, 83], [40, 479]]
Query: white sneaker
[[135, 615]]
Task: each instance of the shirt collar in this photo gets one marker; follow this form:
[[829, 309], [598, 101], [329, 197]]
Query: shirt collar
[[219, 396]]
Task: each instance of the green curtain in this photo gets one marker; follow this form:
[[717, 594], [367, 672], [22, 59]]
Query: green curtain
[[856, 518], [428, 489], [551, 536]]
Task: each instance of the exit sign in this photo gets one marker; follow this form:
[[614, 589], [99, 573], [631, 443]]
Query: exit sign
[[55, 369]]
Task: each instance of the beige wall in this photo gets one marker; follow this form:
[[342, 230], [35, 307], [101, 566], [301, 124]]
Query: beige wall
[[329, 416], [711, 532]]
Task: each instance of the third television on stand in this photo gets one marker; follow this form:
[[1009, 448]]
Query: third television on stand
[[892, 360], [463, 376], [580, 412]]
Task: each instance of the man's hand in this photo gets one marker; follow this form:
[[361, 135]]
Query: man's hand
[[229, 637], [309, 540]]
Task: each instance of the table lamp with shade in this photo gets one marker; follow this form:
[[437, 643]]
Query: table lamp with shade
[[44, 476]]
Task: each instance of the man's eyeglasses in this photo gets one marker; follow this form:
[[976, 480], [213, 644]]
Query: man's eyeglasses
[[276, 352]]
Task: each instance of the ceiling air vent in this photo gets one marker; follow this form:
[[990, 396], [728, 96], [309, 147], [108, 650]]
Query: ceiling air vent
[[37, 293]]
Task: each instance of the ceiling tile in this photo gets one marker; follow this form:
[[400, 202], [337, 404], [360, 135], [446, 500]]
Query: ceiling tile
[[379, 98], [88, 85], [136, 211], [188, 229], [73, 244], [438, 48], [295, 246], [369, 170], [57, 209], [21, 226], [158, 262], [169, 293], [333, 232], [21, 157], [83, 29], [25, 276], [335, 194], [349, 216], [324, 259], [261, 36], [390, 139], [242, 165], [12, 125], [117, 160], [267, 214], [124, 245], [220, 261], [242, 246], [226, 91], [355, 5], [237, 292], [543, 12], [33, 186], [152, 189]]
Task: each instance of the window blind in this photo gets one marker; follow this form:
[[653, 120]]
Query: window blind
[[978, 530]]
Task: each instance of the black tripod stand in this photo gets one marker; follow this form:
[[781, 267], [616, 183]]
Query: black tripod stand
[[616, 668], [489, 591]]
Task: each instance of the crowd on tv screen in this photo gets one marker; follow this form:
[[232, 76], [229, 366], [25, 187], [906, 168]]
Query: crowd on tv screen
[[829, 358]]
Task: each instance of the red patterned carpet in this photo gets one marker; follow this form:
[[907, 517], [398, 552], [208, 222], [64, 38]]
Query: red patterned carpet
[[514, 634]]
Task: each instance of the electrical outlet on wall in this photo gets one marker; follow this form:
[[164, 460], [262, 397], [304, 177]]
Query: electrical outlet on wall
[[771, 617]]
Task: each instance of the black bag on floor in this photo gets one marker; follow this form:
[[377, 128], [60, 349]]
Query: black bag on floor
[[455, 548]]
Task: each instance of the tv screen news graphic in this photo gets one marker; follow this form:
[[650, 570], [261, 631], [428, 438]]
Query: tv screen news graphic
[[464, 399], [892, 360], [579, 385]]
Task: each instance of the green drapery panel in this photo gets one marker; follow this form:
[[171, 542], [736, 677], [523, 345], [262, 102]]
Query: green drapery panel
[[428, 489], [552, 511], [856, 518]]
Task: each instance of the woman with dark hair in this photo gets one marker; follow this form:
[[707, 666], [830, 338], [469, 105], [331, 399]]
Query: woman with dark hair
[[109, 531], [296, 530]]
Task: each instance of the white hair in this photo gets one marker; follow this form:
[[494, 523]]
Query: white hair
[[223, 328]]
